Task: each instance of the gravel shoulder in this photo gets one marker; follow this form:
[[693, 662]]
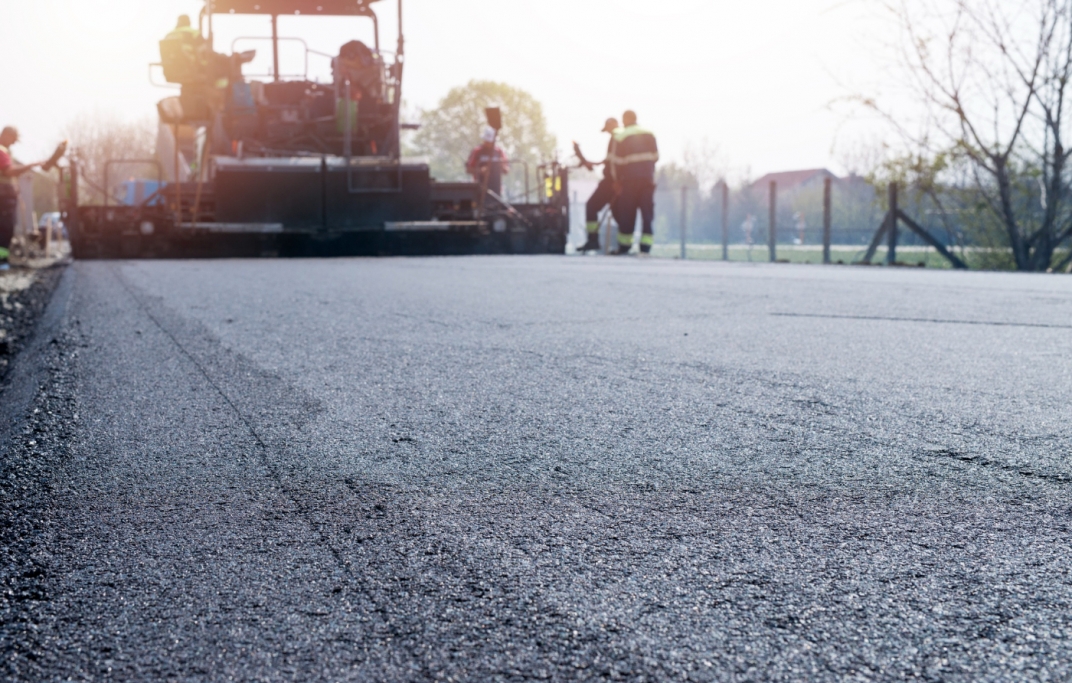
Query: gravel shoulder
[[24, 293], [33, 394]]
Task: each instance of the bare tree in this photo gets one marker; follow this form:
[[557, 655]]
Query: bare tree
[[993, 77], [99, 137], [704, 161]]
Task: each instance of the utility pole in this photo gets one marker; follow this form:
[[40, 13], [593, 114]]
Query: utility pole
[[772, 225], [891, 236], [725, 221], [684, 210], [827, 183]]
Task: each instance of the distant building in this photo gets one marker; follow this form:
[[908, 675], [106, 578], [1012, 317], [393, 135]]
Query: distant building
[[854, 208], [789, 181]]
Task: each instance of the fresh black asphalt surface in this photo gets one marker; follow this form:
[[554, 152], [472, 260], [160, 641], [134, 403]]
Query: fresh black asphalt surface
[[540, 468]]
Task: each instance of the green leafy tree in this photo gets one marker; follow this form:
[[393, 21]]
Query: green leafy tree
[[450, 131]]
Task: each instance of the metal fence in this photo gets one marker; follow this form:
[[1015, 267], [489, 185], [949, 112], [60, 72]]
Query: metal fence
[[828, 221]]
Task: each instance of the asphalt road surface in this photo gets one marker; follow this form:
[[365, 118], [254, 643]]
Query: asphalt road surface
[[540, 468]]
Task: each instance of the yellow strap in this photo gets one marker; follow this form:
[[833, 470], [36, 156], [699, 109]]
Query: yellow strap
[[634, 158]]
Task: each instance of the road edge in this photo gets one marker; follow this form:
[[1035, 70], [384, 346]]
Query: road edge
[[28, 372], [26, 469]]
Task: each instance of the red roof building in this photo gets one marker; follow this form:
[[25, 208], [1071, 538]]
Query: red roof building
[[792, 180]]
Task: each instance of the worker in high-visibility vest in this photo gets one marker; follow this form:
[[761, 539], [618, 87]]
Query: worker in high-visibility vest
[[9, 193], [183, 30], [634, 153], [187, 35], [187, 58], [184, 53], [604, 193]]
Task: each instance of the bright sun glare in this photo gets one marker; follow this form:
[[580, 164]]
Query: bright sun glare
[[756, 79]]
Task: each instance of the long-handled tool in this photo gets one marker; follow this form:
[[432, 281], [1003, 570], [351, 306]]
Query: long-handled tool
[[494, 118]]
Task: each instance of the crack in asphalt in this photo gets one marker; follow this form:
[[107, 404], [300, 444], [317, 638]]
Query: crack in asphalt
[[941, 321], [262, 446], [984, 462]]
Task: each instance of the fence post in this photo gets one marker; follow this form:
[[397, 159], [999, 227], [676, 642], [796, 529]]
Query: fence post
[[684, 209], [827, 183], [725, 221], [891, 236], [772, 226]]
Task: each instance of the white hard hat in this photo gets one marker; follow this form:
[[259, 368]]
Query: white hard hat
[[488, 135]]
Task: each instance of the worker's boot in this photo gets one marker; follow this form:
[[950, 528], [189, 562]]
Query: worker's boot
[[623, 249], [592, 244]]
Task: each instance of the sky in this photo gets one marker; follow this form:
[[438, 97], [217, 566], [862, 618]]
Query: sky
[[761, 81]]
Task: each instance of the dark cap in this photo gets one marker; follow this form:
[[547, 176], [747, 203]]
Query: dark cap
[[610, 125]]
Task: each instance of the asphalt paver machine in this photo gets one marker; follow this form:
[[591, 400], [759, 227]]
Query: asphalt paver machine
[[293, 166]]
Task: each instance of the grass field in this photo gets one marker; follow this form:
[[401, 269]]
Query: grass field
[[908, 255]]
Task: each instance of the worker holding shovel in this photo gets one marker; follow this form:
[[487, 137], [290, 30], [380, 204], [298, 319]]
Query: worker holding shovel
[[604, 194]]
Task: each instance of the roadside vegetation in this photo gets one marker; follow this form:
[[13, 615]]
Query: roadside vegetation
[[99, 137], [985, 89], [977, 115]]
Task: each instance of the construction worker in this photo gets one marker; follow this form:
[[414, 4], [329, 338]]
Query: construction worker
[[488, 161], [184, 53], [9, 194], [188, 59], [184, 31], [604, 193], [633, 157]]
